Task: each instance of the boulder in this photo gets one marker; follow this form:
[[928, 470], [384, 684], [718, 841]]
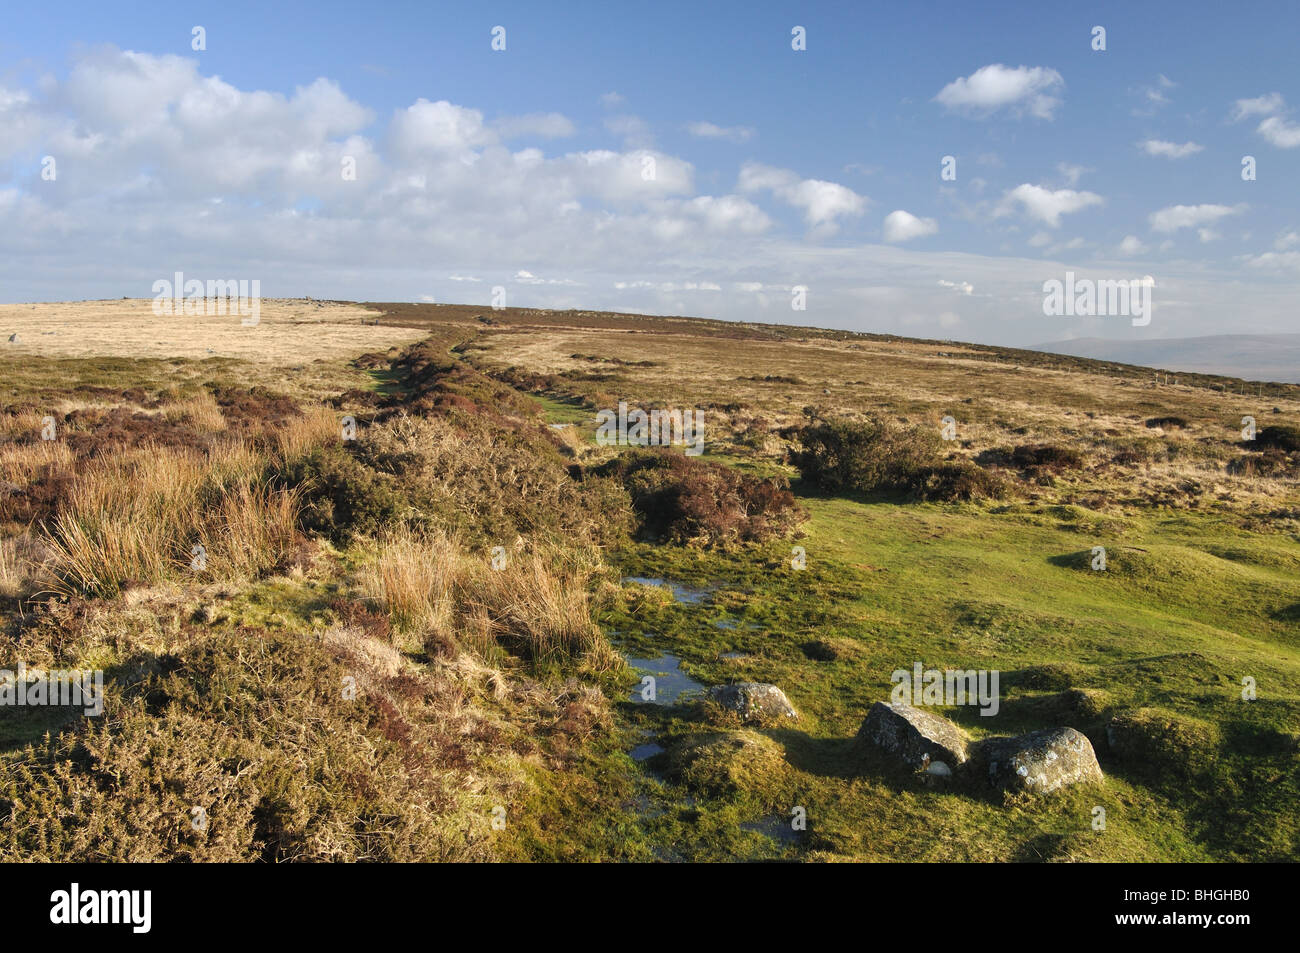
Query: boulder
[[918, 738], [1041, 761], [754, 701], [13, 338]]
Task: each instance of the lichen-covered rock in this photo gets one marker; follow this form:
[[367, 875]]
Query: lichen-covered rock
[[1040, 762], [754, 701], [918, 738]]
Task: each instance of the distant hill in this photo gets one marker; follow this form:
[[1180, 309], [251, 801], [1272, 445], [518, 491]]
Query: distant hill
[[1261, 357]]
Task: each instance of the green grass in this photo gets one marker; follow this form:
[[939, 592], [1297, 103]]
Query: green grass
[[1176, 626]]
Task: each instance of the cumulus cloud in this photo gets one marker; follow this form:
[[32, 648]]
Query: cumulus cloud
[[1176, 217], [1020, 90], [823, 203], [1170, 150], [901, 226], [1131, 245], [1047, 205], [964, 287], [1276, 128], [707, 130], [1280, 132]]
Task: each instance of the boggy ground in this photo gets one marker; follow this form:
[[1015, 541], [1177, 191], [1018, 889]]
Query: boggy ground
[[491, 715]]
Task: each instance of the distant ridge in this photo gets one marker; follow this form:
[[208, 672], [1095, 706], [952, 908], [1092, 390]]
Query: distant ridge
[[1258, 357]]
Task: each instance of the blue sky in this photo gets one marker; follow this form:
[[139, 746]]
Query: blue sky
[[524, 169]]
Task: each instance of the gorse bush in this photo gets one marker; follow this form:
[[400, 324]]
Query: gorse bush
[[1279, 437], [1046, 458], [849, 456], [485, 480], [341, 496], [680, 498]]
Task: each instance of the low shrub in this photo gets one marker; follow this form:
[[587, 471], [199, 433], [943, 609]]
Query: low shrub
[[1046, 458], [1278, 437], [683, 499], [874, 456]]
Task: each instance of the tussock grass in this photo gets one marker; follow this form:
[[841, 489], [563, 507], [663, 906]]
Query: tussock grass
[[538, 605], [137, 518], [413, 578]]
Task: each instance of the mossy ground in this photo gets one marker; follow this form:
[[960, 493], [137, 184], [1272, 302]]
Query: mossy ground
[[887, 585]]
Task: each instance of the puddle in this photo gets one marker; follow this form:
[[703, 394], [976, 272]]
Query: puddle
[[726, 624], [646, 751], [671, 683], [684, 594]]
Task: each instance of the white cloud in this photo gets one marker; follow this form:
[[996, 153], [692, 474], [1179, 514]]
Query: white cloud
[[1071, 173], [965, 287], [1286, 240], [728, 213], [1259, 106], [1208, 235], [426, 128], [1170, 150], [1280, 132], [823, 202], [1023, 89], [1155, 96], [1175, 217], [901, 226], [528, 278], [611, 99], [707, 130], [1046, 205], [1131, 245]]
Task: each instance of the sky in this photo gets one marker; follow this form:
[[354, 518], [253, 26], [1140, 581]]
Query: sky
[[915, 168]]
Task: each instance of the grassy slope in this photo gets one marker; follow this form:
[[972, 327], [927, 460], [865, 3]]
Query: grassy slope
[[891, 585], [1192, 602]]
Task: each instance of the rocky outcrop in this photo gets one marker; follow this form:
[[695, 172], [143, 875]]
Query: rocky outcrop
[[1039, 762], [917, 738], [754, 701]]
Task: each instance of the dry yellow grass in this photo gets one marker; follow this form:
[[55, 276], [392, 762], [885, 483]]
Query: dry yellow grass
[[538, 601], [146, 515], [290, 331], [413, 578]]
